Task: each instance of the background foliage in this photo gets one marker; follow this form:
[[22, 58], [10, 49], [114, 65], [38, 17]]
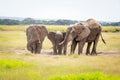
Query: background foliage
[[28, 21]]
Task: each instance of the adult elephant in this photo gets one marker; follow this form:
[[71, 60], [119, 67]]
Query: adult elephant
[[56, 38], [35, 37], [88, 31]]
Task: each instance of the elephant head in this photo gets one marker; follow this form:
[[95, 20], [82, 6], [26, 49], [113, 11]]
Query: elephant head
[[77, 31]]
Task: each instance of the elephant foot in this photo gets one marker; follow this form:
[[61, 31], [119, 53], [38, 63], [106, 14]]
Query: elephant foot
[[93, 53], [79, 53], [87, 53], [71, 53], [64, 53], [55, 54]]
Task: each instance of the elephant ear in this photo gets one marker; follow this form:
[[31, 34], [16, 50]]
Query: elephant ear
[[82, 33], [64, 34], [51, 36]]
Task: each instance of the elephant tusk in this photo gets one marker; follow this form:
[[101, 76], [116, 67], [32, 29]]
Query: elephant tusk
[[61, 43]]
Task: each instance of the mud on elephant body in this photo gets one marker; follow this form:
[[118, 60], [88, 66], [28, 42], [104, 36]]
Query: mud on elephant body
[[56, 38], [88, 31], [35, 37]]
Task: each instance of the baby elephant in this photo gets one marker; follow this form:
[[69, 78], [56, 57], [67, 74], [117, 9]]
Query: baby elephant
[[56, 38]]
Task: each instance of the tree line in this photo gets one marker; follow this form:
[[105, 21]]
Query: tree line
[[28, 21]]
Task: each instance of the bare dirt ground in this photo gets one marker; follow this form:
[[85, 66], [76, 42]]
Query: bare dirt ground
[[105, 53], [50, 52], [109, 53]]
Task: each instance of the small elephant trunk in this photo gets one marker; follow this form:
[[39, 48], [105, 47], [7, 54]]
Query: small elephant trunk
[[65, 39]]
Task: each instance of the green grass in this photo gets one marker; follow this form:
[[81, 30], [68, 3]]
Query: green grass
[[27, 66], [47, 67], [10, 64], [111, 29], [85, 76], [15, 41], [13, 27], [12, 40], [15, 69], [53, 28], [23, 27]]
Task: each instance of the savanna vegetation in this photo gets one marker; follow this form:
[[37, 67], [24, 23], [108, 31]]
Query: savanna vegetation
[[16, 63], [27, 21]]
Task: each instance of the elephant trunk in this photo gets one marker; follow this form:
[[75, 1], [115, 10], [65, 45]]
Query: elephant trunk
[[65, 39]]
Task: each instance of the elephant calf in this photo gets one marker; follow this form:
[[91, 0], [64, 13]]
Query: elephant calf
[[35, 37], [56, 38]]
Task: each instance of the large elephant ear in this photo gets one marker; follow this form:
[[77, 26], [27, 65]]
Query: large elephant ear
[[83, 33], [64, 34], [51, 36]]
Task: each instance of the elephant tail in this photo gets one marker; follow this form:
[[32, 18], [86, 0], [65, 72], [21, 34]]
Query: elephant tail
[[103, 39]]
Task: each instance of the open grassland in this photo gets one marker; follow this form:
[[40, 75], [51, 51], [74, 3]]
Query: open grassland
[[48, 67], [16, 63], [53, 28], [11, 41]]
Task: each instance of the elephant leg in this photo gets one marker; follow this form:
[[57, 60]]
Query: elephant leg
[[94, 46], [29, 47], [33, 45], [88, 48], [64, 49], [54, 49], [73, 46], [80, 46], [38, 47], [60, 49]]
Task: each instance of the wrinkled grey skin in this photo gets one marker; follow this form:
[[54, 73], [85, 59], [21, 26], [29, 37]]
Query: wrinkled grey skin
[[56, 38], [35, 37], [88, 31]]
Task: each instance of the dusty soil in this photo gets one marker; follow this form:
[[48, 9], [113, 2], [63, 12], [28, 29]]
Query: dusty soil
[[50, 52], [109, 53], [106, 53]]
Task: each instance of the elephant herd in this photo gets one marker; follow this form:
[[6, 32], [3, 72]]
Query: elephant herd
[[88, 32]]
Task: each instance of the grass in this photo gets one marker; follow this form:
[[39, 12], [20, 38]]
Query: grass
[[48, 67], [15, 41], [85, 76], [23, 27], [10, 64], [111, 29], [53, 28], [27, 66], [15, 69], [12, 40]]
